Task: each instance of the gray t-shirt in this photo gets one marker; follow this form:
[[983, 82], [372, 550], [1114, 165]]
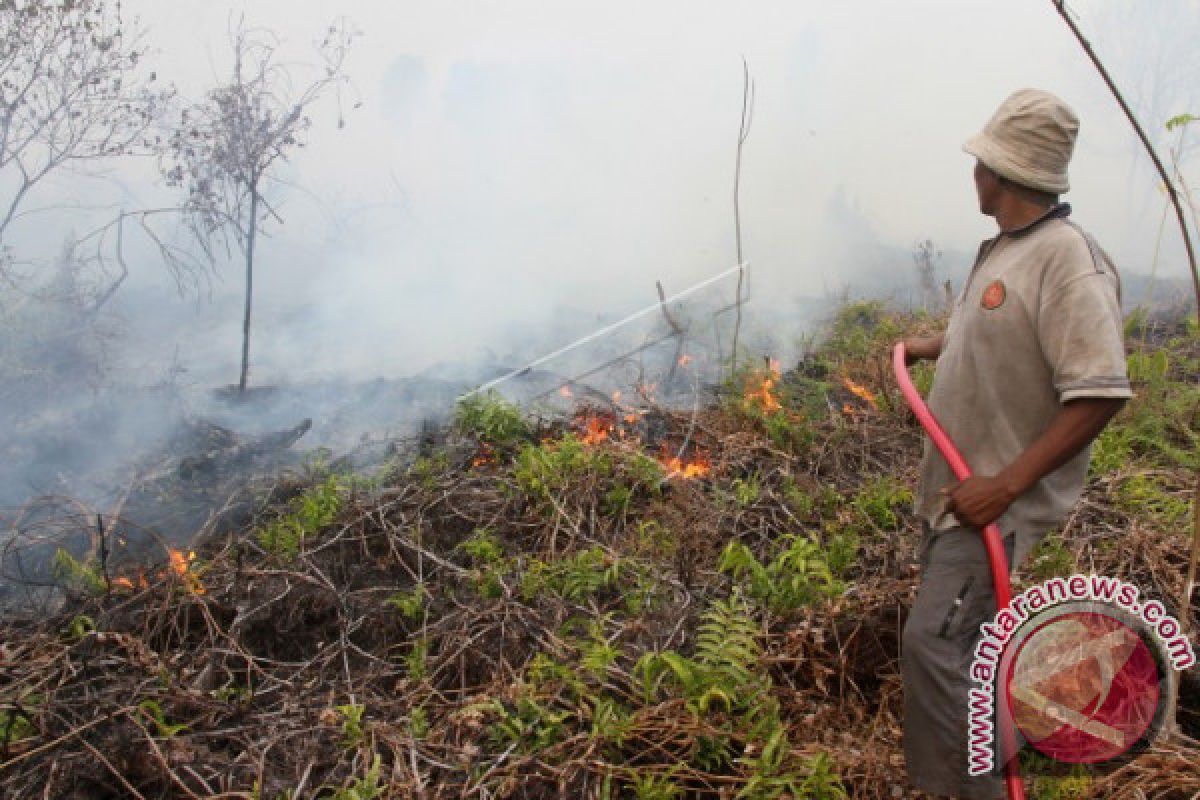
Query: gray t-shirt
[[1037, 324]]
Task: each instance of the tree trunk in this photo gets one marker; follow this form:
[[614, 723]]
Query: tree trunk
[[250, 236]]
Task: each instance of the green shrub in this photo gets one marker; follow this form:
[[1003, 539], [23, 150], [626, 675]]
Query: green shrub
[[308, 514], [798, 575], [545, 470], [882, 500], [491, 419]]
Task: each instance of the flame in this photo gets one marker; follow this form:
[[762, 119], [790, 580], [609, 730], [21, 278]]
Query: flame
[[125, 584], [698, 466], [565, 391], [594, 427], [616, 397], [763, 394], [181, 565], [860, 391], [484, 456]]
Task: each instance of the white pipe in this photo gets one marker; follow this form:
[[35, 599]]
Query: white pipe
[[603, 331]]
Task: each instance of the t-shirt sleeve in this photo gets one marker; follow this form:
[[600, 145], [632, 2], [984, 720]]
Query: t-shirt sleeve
[[1082, 337]]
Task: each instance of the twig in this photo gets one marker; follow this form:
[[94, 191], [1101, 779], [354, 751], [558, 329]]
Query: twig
[[743, 133]]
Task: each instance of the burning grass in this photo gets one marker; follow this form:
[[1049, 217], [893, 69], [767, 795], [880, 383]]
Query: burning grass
[[629, 602]]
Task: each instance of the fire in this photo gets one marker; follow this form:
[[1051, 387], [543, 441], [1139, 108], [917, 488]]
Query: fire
[[860, 391], [126, 584], [594, 428], [565, 391], [484, 456], [763, 394], [698, 466], [181, 565], [616, 397]]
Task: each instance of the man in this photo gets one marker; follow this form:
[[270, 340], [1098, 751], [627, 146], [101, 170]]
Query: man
[[1030, 369]]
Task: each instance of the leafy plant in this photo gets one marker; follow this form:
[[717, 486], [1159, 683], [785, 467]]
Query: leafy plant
[[799, 575], [308, 514], [650, 786], [722, 673], [1051, 558], [880, 501], [491, 419], [418, 723], [15, 726], [1141, 494], [573, 578], [410, 604], [416, 661], [353, 731], [152, 710], [529, 725], [610, 722], [746, 491], [367, 787], [81, 576], [544, 470]]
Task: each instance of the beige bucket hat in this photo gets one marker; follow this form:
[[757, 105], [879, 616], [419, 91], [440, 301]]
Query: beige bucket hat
[[1029, 140]]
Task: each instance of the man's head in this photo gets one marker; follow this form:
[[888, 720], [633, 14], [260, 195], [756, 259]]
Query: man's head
[[1024, 150]]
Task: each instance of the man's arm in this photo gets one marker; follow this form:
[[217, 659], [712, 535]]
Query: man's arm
[[917, 348], [980, 500]]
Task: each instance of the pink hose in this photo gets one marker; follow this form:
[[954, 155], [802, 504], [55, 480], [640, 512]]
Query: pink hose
[[992, 540]]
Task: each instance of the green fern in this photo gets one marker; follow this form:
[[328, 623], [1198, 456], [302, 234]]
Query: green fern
[[799, 575]]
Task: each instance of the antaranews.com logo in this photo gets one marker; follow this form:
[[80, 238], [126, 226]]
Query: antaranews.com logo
[[1081, 664]]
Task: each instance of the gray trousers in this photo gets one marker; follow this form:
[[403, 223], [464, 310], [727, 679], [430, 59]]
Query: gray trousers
[[937, 646]]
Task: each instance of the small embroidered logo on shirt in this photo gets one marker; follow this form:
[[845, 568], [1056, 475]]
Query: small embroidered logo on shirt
[[993, 296]]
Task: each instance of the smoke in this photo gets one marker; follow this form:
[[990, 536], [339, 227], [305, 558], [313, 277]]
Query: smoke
[[520, 174]]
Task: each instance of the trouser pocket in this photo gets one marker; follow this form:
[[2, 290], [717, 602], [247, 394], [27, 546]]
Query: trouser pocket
[[956, 605]]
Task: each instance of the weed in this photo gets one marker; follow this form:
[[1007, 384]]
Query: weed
[[418, 723], [1141, 494], [1051, 558], [491, 419], [654, 787], [411, 604], [881, 500], [574, 578], [364, 788], [799, 575], [746, 491], [15, 726], [611, 722], [79, 626], [310, 513], [353, 731], [152, 710], [529, 725], [81, 576], [721, 673], [416, 660], [543, 470], [426, 470], [841, 551]]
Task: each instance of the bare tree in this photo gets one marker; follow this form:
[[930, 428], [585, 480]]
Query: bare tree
[[925, 256], [226, 147], [71, 92]]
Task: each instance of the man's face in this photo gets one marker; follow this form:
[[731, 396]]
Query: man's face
[[987, 188]]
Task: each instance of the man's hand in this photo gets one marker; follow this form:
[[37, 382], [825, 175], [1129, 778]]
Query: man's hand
[[917, 348], [978, 501], [981, 500]]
